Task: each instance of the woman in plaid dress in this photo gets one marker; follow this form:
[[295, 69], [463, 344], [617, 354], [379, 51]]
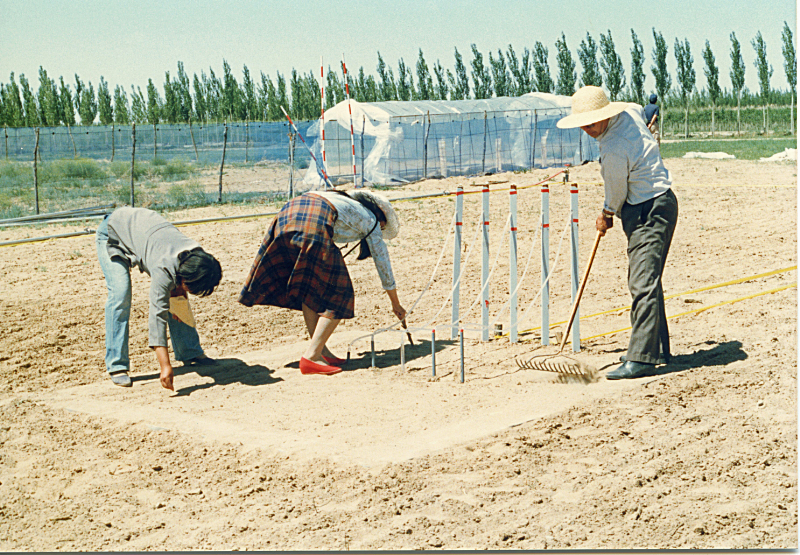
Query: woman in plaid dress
[[298, 265]]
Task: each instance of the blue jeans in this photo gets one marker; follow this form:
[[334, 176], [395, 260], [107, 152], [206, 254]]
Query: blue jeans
[[185, 341]]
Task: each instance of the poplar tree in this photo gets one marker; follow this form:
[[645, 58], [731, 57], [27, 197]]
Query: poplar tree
[[88, 105], [66, 109], [334, 92], [386, 87], [541, 69], [14, 113], [138, 106], [764, 73], [121, 113], [424, 81], [685, 77], [213, 90], [637, 69], [711, 72], [790, 66], [169, 111], [47, 97], [481, 75], [441, 89], [29, 107], [231, 95], [153, 104], [520, 72], [587, 54], [566, 68], [461, 81], [248, 96], [104, 107], [612, 66], [737, 78], [184, 93], [371, 90], [404, 86], [200, 105], [660, 71], [282, 98]]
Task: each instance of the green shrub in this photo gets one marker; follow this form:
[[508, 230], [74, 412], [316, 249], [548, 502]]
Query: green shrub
[[744, 149], [121, 169], [158, 162], [78, 168]]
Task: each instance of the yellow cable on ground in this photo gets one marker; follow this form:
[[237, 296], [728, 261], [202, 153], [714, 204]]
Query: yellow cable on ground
[[777, 289], [708, 288]]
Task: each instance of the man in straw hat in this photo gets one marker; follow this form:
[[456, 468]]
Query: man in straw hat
[[298, 265], [638, 192]]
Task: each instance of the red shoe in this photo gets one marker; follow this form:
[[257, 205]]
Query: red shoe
[[310, 367], [334, 360]]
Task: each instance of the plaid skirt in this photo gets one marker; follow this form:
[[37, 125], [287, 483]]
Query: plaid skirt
[[298, 262]]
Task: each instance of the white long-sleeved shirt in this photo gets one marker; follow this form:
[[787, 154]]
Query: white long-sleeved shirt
[[630, 161], [353, 224]]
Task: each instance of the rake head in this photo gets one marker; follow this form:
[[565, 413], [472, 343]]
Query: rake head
[[559, 364]]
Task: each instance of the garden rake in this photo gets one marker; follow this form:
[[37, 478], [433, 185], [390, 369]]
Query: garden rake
[[563, 364]]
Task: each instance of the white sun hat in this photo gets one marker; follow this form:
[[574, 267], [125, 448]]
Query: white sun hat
[[392, 221], [590, 105]]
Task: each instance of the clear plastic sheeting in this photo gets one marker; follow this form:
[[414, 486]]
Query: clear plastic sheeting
[[402, 141]]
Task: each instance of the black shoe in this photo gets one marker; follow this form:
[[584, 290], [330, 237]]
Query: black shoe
[[631, 369], [200, 361], [121, 379], [661, 360]]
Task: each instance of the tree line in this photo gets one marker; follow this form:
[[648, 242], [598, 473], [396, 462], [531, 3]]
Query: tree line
[[211, 98]]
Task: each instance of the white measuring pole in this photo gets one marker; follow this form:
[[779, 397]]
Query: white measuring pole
[[512, 266], [576, 332], [322, 111], [545, 263], [485, 266], [457, 259], [350, 110]]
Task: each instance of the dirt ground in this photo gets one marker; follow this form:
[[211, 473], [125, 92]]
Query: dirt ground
[[250, 454]]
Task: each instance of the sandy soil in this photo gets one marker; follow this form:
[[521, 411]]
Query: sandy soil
[[250, 454]]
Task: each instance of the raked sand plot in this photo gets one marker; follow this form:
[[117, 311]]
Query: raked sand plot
[[252, 455]]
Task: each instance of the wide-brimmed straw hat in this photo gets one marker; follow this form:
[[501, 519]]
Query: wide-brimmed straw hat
[[392, 221], [590, 105]]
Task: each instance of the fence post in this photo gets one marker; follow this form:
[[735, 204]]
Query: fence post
[[194, 144], [6, 133], [485, 265], [545, 222], [425, 146], [246, 140], [155, 142], [222, 164], [576, 330], [113, 145], [36, 170], [133, 158], [512, 266], [457, 260], [363, 127]]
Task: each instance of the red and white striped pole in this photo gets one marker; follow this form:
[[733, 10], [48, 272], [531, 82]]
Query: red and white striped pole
[[322, 110], [350, 110]]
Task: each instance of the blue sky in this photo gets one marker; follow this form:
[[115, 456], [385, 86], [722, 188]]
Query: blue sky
[[129, 42]]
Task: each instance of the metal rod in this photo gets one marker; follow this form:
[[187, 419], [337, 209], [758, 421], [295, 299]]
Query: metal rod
[[512, 269], [36, 170], [461, 335], [372, 348], [433, 352], [222, 163], [545, 264], [133, 159], [575, 269], [485, 266], [403, 353], [457, 260]]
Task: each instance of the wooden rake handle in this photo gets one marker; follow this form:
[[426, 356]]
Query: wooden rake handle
[[580, 292]]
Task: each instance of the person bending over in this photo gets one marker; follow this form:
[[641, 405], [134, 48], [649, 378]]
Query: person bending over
[[176, 265], [299, 266]]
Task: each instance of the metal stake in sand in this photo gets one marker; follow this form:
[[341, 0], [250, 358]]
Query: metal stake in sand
[[461, 335], [322, 169], [403, 352], [545, 264], [457, 259], [350, 110], [485, 267], [576, 332], [372, 348], [433, 352], [512, 266], [322, 109]]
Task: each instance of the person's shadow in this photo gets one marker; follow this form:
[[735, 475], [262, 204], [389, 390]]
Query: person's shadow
[[362, 360], [720, 354], [223, 371]]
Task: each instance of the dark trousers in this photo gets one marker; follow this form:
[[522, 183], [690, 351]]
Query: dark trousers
[[649, 227]]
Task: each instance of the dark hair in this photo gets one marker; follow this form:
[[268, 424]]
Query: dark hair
[[653, 98], [372, 206], [199, 271]]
